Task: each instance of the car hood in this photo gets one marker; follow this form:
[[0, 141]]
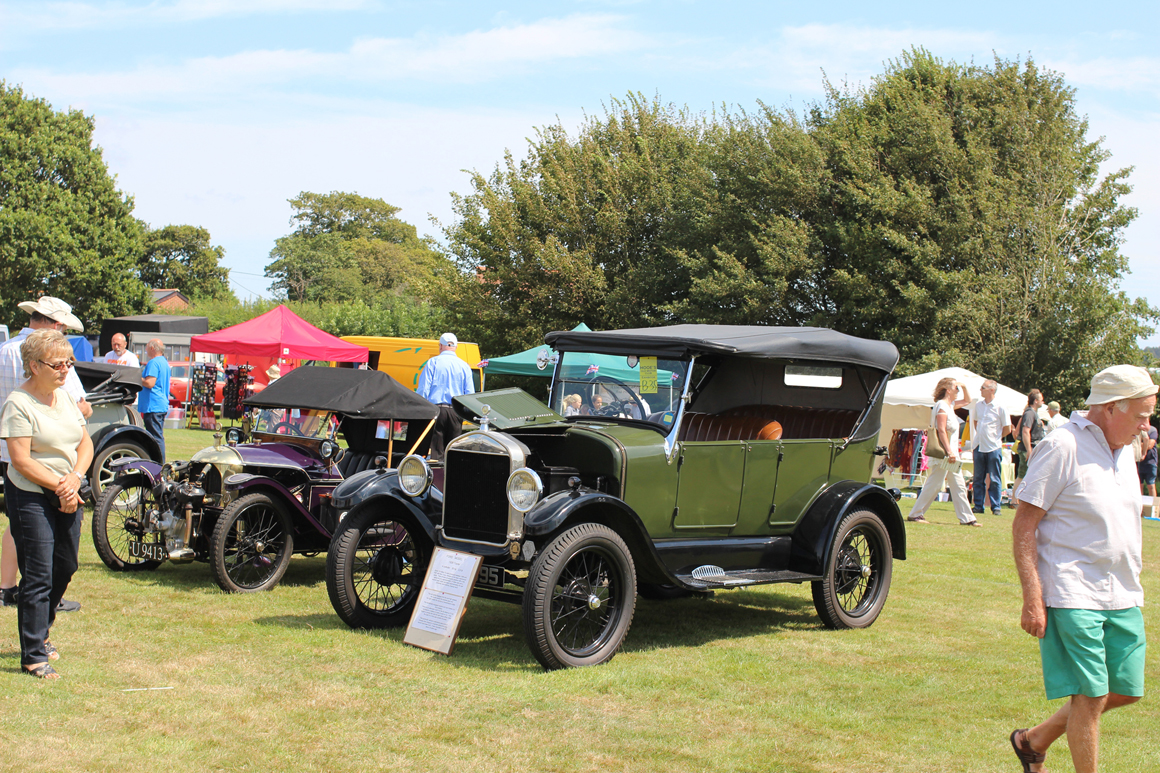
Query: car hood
[[277, 454]]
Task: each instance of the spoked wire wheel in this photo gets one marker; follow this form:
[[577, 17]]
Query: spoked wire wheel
[[853, 591], [580, 598], [252, 545], [375, 568], [118, 519]]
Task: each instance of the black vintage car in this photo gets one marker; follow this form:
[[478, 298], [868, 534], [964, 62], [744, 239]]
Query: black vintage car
[[695, 458], [247, 504]]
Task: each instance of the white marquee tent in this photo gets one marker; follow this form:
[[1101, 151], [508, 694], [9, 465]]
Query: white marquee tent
[[908, 401]]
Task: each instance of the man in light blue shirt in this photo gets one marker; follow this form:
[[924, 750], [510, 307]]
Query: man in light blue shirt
[[153, 400], [444, 377]]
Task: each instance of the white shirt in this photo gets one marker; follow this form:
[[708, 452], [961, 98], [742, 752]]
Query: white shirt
[[127, 358], [1055, 422], [988, 420], [12, 376], [954, 423], [1090, 542]]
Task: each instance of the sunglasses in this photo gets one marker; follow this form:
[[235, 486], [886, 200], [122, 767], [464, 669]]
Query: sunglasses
[[60, 366]]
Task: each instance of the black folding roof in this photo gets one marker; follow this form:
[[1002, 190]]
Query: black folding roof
[[369, 394], [679, 341]]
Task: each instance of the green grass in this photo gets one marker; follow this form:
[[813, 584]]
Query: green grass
[[745, 681]]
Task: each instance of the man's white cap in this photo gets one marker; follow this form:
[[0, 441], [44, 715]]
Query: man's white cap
[[55, 309], [448, 339], [1121, 382]]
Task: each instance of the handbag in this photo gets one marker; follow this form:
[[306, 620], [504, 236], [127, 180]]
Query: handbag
[[934, 448]]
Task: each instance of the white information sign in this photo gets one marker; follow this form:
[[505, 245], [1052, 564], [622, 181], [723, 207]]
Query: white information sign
[[443, 600]]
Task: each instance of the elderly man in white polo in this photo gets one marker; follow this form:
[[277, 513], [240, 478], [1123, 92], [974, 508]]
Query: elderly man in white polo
[[1078, 550]]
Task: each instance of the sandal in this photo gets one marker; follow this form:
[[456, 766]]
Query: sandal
[[51, 651], [42, 671], [1024, 752]]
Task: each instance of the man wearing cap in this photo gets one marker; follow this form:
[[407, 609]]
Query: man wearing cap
[[54, 314], [120, 354], [1078, 550], [153, 400], [1055, 419], [989, 423], [443, 377]]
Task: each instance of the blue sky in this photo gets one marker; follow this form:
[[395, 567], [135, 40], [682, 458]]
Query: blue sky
[[215, 112]]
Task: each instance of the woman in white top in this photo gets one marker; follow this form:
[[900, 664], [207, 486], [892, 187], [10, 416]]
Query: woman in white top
[[50, 453], [948, 395]]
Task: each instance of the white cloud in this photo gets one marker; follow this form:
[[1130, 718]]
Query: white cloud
[[40, 16], [1139, 73], [472, 57]]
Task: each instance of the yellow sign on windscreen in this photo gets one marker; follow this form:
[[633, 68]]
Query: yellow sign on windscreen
[[648, 375]]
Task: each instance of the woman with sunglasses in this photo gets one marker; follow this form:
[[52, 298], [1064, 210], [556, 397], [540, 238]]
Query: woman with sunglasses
[[50, 451]]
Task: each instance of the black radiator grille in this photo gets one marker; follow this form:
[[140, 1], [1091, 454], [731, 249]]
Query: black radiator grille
[[475, 496]]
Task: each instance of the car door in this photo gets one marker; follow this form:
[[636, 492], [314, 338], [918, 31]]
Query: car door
[[709, 481]]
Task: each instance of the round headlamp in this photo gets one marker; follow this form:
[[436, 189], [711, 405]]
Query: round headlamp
[[414, 475], [524, 489], [328, 449]]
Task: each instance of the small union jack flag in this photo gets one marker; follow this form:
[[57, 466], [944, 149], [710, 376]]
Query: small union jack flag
[[592, 369], [483, 363]]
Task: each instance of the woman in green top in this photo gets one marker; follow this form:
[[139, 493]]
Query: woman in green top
[[50, 451]]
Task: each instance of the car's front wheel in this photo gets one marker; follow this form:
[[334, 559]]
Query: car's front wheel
[[252, 544], [101, 473], [119, 519], [375, 567], [580, 597], [857, 579]]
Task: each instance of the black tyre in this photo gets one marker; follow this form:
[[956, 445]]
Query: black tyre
[[100, 474], [375, 567], [119, 518], [580, 597], [858, 568], [251, 545]]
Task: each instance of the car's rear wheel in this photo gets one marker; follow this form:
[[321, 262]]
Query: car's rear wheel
[[101, 473], [858, 568], [252, 543], [580, 597], [375, 567], [118, 519]]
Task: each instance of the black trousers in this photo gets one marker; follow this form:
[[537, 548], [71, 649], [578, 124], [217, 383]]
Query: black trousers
[[46, 550], [448, 426]]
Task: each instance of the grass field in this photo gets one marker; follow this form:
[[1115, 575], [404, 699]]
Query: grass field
[[745, 681]]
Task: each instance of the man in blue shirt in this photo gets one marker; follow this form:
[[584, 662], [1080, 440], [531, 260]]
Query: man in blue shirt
[[153, 401], [443, 377]]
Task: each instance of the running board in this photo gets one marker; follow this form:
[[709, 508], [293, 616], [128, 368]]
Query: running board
[[741, 577]]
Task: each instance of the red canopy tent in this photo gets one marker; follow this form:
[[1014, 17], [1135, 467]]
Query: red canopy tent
[[279, 334]]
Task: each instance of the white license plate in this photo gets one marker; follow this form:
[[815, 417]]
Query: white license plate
[[147, 551], [490, 577]]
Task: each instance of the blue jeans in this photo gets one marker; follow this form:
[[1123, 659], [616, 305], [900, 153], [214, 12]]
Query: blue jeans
[[155, 426], [987, 463], [46, 551]]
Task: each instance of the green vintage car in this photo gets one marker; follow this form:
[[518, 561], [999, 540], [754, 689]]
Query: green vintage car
[[669, 461]]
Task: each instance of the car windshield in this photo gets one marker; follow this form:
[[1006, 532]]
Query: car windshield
[[296, 422], [636, 386]]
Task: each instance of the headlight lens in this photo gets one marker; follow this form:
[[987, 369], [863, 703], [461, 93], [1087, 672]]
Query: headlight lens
[[414, 475], [524, 489]]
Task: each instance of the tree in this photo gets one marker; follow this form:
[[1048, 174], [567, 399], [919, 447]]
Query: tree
[[584, 229], [349, 246], [65, 229], [180, 257]]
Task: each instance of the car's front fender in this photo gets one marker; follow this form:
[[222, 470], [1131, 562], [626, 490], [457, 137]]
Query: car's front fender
[[129, 433], [816, 530], [246, 483], [371, 486], [123, 468]]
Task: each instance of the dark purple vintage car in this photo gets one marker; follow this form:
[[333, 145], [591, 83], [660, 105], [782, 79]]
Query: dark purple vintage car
[[247, 504]]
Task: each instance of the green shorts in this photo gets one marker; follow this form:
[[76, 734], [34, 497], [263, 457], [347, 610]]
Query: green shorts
[[1093, 652]]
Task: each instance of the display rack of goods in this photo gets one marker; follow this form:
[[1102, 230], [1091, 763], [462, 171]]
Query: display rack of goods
[[237, 388], [201, 385]]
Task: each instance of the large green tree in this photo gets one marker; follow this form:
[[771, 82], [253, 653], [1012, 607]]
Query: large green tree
[[349, 246], [65, 229], [584, 229], [181, 257]]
